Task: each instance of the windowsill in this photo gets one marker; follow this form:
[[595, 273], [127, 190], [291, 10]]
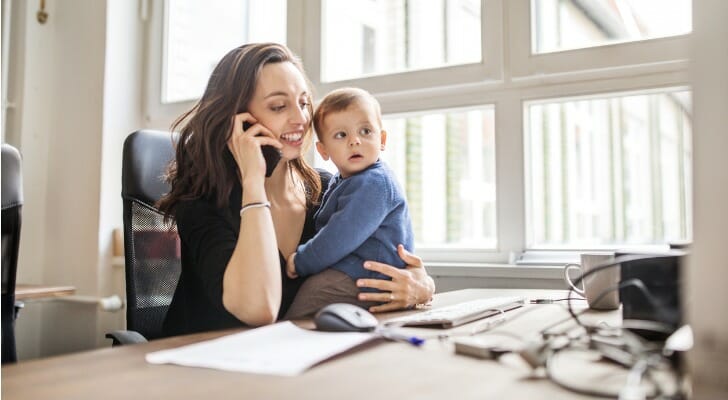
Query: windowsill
[[487, 270]]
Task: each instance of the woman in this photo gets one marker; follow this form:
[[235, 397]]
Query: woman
[[237, 227]]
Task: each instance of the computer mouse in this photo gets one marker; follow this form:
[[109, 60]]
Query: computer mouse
[[342, 317]]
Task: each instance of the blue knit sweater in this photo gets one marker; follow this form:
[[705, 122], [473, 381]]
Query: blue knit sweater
[[362, 217]]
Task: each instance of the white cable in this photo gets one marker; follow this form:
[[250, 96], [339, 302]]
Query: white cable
[[633, 389]]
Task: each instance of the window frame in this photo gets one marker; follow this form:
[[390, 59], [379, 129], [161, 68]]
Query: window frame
[[161, 115], [661, 53], [590, 96], [515, 77], [488, 69], [156, 113]]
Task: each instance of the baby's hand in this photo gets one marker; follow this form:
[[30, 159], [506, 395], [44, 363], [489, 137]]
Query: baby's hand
[[291, 267]]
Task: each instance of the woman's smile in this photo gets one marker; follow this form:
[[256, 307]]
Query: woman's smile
[[292, 138]]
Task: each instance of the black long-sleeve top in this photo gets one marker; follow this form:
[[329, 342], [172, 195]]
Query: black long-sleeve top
[[208, 236]]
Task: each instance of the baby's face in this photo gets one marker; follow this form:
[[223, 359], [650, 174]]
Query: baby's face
[[352, 138]]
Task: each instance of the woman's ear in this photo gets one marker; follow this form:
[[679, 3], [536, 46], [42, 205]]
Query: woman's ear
[[384, 139], [322, 150]]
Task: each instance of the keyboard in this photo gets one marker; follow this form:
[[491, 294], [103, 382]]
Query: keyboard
[[461, 313]]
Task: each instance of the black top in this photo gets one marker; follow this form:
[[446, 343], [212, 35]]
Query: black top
[[208, 235]]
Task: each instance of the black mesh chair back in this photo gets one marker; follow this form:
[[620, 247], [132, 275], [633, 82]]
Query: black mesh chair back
[[152, 250], [12, 204]]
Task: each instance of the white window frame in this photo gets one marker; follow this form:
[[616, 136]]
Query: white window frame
[[488, 69], [157, 114], [510, 76], [660, 53], [161, 115]]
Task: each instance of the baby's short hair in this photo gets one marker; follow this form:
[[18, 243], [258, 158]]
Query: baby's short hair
[[339, 100]]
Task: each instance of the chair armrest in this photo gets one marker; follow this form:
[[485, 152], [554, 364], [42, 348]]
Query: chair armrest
[[121, 338]]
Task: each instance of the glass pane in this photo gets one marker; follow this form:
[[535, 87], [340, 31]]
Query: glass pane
[[446, 165], [199, 33], [572, 24], [609, 171], [374, 37]]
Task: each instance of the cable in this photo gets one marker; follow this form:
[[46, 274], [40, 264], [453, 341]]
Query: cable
[[640, 356], [543, 331], [581, 390], [547, 301], [640, 372], [630, 350], [600, 267], [633, 390]]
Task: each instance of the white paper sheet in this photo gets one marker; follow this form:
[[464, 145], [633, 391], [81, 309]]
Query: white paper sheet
[[279, 349]]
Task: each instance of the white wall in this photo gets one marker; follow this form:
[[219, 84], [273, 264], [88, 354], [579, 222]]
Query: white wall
[[707, 272], [78, 81]]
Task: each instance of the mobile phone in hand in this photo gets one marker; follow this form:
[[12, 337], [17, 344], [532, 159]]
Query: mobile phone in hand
[[271, 155]]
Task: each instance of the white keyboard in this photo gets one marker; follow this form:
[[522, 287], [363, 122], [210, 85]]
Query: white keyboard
[[461, 313]]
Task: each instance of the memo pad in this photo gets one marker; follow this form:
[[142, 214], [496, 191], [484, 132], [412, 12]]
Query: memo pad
[[279, 349]]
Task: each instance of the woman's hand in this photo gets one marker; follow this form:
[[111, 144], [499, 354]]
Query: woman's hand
[[245, 145], [408, 287]]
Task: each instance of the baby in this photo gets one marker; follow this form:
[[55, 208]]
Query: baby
[[363, 213]]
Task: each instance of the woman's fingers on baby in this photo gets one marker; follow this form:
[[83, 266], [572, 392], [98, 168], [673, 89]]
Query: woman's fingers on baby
[[409, 258], [378, 297], [393, 294], [376, 284], [382, 268]]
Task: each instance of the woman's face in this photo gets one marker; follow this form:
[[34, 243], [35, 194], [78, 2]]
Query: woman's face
[[281, 104]]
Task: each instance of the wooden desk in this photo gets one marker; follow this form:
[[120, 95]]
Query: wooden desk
[[380, 370], [28, 292]]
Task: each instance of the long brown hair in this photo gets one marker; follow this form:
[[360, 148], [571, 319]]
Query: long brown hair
[[199, 169]]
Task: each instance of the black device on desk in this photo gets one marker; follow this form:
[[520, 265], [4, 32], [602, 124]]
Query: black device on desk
[[650, 289], [271, 155]]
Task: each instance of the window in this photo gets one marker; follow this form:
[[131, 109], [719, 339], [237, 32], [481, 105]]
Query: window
[[611, 170], [198, 34], [564, 25], [397, 35], [535, 184], [514, 125]]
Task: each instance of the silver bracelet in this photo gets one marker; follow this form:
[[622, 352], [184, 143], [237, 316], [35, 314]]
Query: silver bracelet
[[253, 205]]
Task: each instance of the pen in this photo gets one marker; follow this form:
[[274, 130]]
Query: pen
[[401, 337]]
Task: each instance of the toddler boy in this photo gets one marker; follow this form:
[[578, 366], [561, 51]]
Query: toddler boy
[[363, 214]]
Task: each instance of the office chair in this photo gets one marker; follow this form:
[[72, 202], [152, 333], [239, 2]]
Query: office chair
[[151, 248], [12, 204]]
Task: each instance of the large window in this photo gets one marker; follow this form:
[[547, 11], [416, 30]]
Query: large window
[[514, 125], [608, 171], [199, 33]]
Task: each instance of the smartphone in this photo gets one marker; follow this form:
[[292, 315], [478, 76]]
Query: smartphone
[[271, 155]]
